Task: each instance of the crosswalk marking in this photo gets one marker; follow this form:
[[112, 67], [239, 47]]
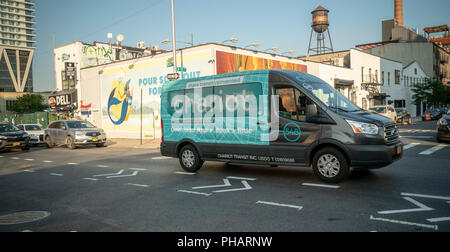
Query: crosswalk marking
[[409, 146], [433, 150]]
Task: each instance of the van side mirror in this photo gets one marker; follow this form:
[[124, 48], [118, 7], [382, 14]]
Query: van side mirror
[[311, 110]]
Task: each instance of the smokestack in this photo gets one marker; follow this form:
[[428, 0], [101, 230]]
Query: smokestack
[[399, 12]]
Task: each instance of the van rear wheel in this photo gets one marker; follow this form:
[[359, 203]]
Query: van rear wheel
[[190, 159], [330, 165]]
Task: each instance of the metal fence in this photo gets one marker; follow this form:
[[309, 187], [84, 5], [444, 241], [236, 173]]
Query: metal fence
[[41, 118]]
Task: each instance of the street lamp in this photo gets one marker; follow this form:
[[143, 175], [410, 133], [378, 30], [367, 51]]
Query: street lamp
[[254, 45], [167, 41], [232, 40], [290, 52], [275, 49]]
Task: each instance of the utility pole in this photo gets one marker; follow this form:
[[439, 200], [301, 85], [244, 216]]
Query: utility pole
[[54, 60], [174, 43]]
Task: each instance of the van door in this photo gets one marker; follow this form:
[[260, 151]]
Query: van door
[[242, 127], [296, 132]]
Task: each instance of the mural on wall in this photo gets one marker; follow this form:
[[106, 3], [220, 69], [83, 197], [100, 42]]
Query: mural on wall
[[123, 89], [96, 55], [230, 63], [120, 102]]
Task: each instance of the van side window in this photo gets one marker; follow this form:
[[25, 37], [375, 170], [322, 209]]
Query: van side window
[[295, 105]]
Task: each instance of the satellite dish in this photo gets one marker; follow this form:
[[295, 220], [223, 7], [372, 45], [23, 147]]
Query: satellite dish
[[120, 38]]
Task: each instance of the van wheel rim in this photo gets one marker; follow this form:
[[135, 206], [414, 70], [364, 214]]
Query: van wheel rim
[[188, 158], [329, 165]]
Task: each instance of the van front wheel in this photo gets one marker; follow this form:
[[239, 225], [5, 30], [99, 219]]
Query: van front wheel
[[190, 159], [330, 165]]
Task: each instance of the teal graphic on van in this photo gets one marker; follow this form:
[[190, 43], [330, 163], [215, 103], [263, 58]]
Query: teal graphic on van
[[292, 132], [230, 109]]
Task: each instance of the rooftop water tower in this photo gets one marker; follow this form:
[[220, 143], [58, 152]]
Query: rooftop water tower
[[320, 27]]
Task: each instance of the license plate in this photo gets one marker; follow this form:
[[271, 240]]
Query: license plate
[[399, 150], [16, 144], [95, 140]]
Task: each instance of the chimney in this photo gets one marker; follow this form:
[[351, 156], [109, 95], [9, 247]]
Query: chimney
[[399, 12]]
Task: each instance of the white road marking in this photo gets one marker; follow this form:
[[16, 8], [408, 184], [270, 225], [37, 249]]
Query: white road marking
[[161, 158], [138, 185], [246, 187], [138, 169], [421, 208], [226, 183], [26, 231], [122, 176], [15, 158], [191, 192], [409, 146], [48, 161], [1, 156], [426, 196], [102, 166], [57, 174], [29, 159], [106, 175], [439, 219], [239, 178], [73, 164], [186, 173], [91, 179], [433, 150], [321, 185], [418, 137], [28, 170], [280, 205], [435, 227]]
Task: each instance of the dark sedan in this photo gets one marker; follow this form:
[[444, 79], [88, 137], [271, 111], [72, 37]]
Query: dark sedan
[[13, 138], [443, 128], [435, 114]]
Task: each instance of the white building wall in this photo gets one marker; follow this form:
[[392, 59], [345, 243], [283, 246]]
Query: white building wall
[[413, 74]]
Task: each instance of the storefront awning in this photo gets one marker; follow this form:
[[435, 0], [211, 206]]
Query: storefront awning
[[344, 83]]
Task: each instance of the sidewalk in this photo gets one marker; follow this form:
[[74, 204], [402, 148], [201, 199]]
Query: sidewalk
[[133, 143]]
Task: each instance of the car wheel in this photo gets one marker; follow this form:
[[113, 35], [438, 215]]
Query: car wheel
[[190, 159], [49, 142], [70, 143], [100, 145], [330, 165], [26, 148]]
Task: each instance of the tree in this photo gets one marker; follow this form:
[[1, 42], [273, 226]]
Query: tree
[[431, 92], [29, 103]]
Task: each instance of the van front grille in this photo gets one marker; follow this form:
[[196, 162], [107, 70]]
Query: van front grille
[[391, 134]]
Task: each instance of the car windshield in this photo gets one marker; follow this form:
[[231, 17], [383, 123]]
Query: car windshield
[[330, 96], [32, 127], [79, 125], [380, 110], [8, 128]]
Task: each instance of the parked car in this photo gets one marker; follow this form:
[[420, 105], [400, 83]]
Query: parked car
[[434, 113], [35, 132], [74, 134], [403, 116], [443, 128], [385, 110], [13, 138]]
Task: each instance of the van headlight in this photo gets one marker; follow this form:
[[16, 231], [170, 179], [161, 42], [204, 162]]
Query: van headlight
[[442, 122], [363, 128]]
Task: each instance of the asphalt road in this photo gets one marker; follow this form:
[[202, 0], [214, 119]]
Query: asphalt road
[[111, 189]]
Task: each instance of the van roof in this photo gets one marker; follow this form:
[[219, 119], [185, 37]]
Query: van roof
[[258, 75]]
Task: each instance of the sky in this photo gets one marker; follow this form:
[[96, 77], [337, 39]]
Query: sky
[[285, 24]]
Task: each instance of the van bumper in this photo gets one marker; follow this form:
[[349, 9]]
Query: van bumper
[[168, 149], [374, 156]]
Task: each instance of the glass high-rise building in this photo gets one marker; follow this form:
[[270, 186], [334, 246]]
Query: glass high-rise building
[[17, 39]]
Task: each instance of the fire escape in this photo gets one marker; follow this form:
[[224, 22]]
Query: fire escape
[[371, 84]]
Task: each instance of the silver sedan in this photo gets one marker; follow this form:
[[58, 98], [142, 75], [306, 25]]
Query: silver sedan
[[73, 134]]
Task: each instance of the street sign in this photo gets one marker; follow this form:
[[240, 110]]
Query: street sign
[[173, 76], [170, 64], [182, 69]]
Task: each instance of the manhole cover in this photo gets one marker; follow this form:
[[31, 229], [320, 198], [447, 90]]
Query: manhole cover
[[23, 217]]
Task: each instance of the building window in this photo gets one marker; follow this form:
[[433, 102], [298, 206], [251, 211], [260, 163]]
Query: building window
[[10, 104], [397, 77], [389, 78], [415, 71], [362, 74], [382, 77]]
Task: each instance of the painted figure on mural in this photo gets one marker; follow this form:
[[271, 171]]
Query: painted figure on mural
[[120, 102]]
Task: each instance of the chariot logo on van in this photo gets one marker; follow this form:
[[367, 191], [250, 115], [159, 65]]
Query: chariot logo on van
[[292, 132]]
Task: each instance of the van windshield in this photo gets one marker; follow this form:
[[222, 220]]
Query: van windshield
[[330, 96]]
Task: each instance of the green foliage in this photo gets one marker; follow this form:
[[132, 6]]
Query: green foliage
[[431, 92], [29, 103]]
